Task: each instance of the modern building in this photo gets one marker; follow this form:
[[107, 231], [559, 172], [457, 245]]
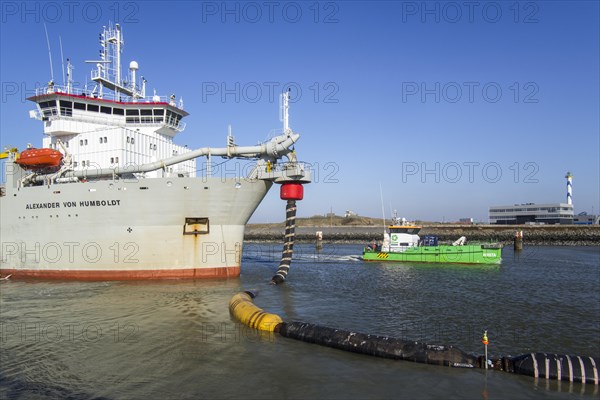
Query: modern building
[[584, 218], [531, 213]]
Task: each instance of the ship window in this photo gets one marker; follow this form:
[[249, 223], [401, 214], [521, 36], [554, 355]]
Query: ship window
[[75, 164], [133, 112], [100, 140], [158, 120], [128, 139], [159, 111], [146, 112], [105, 139], [132, 140], [92, 107], [196, 226], [112, 160], [116, 159], [154, 147], [105, 110], [79, 106], [118, 111], [81, 142], [66, 108], [85, 142], [48, 104]]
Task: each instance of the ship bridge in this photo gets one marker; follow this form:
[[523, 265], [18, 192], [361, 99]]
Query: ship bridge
[[111, 123], [66, 111]]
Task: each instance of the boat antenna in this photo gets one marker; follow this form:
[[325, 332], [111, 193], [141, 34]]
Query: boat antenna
[[49, 53], [62, 60], [382, 207]]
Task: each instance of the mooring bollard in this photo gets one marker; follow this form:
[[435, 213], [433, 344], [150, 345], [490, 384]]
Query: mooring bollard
[[319, 239], [518, 240]]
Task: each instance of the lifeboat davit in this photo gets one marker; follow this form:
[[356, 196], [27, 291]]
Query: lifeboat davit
[[40, 159]]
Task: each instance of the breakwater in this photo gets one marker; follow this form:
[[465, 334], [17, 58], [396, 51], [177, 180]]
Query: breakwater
[[551, 235]]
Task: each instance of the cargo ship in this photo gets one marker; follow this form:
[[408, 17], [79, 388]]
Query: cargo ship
[[111, 196], [401, 242]]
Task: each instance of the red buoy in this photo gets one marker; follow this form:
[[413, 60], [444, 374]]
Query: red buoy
[[291, 191]]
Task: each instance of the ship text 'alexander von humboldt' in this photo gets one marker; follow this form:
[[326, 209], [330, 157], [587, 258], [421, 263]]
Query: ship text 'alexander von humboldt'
[[110, 196]]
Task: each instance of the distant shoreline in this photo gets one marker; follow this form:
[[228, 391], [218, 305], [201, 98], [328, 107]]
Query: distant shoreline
[[550, 235]]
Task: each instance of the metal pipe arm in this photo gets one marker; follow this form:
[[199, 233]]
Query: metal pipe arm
[[275, 148]]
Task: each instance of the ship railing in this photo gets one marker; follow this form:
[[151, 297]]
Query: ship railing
[[158, 121], [62, 89], [285, 171]]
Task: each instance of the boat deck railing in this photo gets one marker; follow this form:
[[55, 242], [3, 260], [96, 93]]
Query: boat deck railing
[[118, 97]]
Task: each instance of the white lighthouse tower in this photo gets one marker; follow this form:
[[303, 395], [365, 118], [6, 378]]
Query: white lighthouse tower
[[569, 188]]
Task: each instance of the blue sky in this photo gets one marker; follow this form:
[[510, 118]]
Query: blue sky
[[450, 106]]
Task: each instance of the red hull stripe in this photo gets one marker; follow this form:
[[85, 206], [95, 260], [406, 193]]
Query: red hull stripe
[[121, 275]]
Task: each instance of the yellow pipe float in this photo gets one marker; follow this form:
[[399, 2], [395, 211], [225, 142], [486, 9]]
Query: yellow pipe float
[[244, 310]]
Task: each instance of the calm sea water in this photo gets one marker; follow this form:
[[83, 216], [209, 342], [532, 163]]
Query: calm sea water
[[176, 339]]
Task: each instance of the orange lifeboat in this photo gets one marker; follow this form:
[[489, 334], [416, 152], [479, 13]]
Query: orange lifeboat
[[40, 159]]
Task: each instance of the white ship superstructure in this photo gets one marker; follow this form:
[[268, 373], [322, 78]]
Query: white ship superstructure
[[125, 202], [112, 123]]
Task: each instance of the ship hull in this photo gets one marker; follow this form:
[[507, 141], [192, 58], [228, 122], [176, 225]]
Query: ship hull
[[469, 254], [157, 228]]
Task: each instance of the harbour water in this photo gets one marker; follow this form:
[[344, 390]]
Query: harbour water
[[176, 339]]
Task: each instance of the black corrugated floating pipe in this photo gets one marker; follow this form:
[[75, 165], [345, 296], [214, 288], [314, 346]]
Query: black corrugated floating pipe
[[539, 365]]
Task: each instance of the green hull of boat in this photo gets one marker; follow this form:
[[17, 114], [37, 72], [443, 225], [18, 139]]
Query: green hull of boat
[[469, 254]]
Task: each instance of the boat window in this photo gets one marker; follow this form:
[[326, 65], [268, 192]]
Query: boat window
[[133, 112], [117, 160], [48, 104], [146, 112], [81, 142], [105, 139], [132, 140], [100, 140], [411, 231], [112, 160], [79, 106], [159, 111], [118, 111], [105, 110], [66, 108], [92, 107], [128, 139], [85, 142]]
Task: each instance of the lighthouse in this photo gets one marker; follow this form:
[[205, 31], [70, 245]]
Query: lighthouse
[[569, 188]]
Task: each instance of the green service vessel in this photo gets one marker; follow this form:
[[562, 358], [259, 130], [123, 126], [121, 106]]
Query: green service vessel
[[402, 243]]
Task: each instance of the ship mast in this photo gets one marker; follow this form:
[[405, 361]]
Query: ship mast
[[108, 72]]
